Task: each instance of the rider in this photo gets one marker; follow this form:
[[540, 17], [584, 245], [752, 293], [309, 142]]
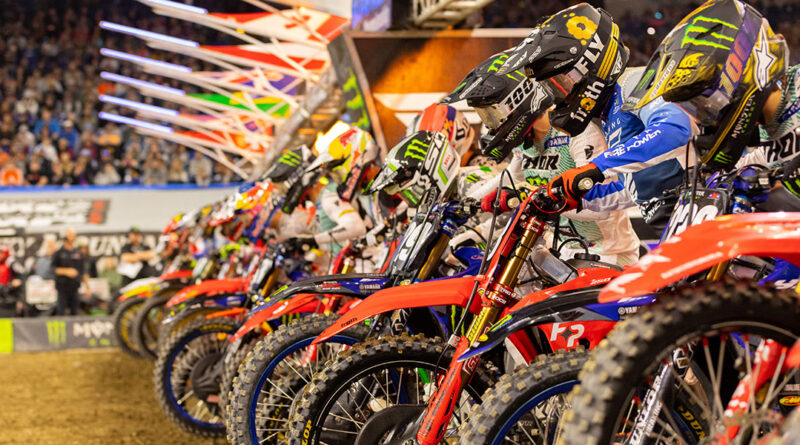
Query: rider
[[513, 108], [346, 155], [697, 72], [577, 55]]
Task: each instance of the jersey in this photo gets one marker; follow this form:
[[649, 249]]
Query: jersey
[[336, 221], [609, 233], [646, 148], [780, 139]]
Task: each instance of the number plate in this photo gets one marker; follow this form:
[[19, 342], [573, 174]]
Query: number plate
[[708, 204]]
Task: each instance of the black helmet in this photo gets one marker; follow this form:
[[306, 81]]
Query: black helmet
[[288, 171], [719, 64], [507, 104], [577, 55]]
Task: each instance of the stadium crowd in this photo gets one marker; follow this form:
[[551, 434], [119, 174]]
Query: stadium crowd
[[49, 87]]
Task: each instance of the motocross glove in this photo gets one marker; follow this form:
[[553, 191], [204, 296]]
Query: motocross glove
[[573, 184], [509, 199]]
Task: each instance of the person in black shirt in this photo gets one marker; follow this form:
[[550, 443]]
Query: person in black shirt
[[135, 257], [69, 267]]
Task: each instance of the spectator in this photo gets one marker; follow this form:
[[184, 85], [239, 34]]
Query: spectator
[[57, 177], [48, 122], [35, 174], [47, 149], [10, 174], [69, 133], [43, 266], [133, 262], [200, 169], [91, 262], [81, 174], [110, 139], [107, 174], [69, 268], [224, 175], [177, 172], [107, 270], [155, 173]]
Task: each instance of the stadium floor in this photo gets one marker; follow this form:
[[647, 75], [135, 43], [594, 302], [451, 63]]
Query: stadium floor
[[82, 397]]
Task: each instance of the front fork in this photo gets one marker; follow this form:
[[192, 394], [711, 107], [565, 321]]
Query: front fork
[[442, 404]]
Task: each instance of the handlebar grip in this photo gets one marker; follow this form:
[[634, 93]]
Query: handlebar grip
[[585, 184]]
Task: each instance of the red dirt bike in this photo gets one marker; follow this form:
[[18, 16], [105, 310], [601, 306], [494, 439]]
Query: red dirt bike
[[710, 361], [426, 419]]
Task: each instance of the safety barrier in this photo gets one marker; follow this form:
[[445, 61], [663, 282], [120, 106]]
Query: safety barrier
[[55, 333]]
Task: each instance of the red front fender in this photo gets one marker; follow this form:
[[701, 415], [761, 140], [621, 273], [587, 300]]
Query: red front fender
[[208, 287], [704, 245], [185, 273], [451, 291], [307, 302]]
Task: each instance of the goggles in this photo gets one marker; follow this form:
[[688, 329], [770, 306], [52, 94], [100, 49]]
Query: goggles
[[493, 116], [560, 86], [706, 110]]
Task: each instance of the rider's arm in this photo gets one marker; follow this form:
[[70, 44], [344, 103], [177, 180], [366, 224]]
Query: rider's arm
[[514, 168], [349, 224], [607, 197], [666, 133]]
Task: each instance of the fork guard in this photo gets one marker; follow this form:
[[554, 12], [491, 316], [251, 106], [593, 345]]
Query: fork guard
[[774, 235]]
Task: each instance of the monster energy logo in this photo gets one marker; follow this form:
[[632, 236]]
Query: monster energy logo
[[723, 157], [697, 27], [56, 333], [416, 149], [290, 158], [472, 178], [497, 63]]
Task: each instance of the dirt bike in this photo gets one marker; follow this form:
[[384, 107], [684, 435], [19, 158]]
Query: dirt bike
[[395, 356], [130, 301], [188, 366], [721, 342], [146, 327], [285, 356]]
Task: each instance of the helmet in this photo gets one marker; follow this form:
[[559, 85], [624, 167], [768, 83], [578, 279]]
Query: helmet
[[444, 118], [720, 64], [507, 104], [577, 55], [252, 198], [174, 224], [289, 171], [225, 212], [345, 153], [423, 161]]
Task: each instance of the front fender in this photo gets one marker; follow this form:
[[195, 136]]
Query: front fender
[[208, 287], [445, 292], [355, 284], [703, 245], [297, 303]]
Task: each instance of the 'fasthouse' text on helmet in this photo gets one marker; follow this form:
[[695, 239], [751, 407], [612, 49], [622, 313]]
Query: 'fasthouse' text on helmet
[[719, 64], [508, 105], [577, 55]]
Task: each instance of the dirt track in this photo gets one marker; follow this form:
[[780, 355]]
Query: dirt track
[[82, 397]]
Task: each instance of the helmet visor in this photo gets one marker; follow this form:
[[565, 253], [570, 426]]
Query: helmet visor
[[560, 86], [706, 110], [493, 116]]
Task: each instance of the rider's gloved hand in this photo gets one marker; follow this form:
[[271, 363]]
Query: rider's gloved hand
[[572, 184], [509, 199]]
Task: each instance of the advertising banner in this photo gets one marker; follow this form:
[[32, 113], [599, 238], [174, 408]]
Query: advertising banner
[[55, 333]]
